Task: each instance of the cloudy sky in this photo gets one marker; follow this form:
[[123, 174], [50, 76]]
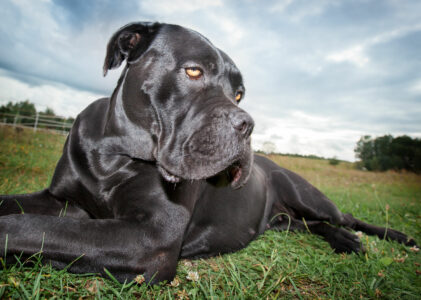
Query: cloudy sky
[[319, 74]]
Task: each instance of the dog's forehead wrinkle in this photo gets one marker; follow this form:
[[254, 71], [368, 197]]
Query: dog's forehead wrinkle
[[150, 57], [231, 71], [191, 46], [185, 34], [162, 59]]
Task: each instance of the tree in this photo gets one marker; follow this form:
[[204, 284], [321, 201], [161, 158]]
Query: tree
[[385, 152], [24, 112], [365, 150], [268, 147], [382, 152], [49, 111], [23, 108]]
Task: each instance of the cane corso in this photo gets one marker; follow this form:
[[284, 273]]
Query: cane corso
[[163, 169]]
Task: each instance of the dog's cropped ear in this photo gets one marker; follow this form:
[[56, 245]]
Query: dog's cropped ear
[[129, 42]]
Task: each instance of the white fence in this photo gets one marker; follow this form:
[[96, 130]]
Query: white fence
[[37, 122]]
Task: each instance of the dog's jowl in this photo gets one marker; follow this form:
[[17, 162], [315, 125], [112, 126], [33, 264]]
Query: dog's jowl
[[163, 169]]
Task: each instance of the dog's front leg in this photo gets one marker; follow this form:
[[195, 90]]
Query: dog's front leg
[[149, 245]]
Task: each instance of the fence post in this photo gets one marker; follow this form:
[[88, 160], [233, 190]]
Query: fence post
[[15, 119], [36, 121]]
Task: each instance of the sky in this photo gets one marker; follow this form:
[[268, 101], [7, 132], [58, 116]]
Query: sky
[[319, 74]]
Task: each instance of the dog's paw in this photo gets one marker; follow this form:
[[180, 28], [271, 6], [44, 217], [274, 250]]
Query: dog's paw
[[400, 237], [343, 241], [411, 243]]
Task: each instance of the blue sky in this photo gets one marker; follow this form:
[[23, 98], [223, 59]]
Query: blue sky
[[319, 74]]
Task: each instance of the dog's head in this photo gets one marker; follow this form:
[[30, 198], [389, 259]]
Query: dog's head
[[183, 93]]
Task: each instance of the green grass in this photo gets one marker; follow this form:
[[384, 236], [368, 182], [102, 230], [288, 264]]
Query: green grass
[[277, 265]]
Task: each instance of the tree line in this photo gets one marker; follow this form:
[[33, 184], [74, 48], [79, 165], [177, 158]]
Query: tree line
[[386, 153], [25, 113]]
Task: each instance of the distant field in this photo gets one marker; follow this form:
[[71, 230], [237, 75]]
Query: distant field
[[276, 265]]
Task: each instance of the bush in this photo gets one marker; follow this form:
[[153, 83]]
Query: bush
[[334, 161]]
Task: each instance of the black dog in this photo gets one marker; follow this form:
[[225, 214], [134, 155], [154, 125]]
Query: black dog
[[163, 169]]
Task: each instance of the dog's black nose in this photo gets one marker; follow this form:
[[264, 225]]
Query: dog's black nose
[[242, 123]]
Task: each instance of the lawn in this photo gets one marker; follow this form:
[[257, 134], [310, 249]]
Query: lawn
[[276, 265]]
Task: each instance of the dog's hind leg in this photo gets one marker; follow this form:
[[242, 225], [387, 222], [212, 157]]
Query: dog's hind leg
[[340, 239], [382, 232], [40, 203], [303, 201]]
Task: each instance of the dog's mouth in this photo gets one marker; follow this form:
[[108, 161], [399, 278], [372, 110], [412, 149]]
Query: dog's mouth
[[168, 176], [232, 175], [236, 175]]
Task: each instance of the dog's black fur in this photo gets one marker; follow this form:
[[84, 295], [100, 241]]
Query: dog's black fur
[[163, 169]]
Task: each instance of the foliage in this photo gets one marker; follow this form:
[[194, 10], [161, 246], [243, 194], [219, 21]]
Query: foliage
[[268, 147], [25, 113], [310, 156], [23, 108], [385, 153], [334, 161], [277, 265]]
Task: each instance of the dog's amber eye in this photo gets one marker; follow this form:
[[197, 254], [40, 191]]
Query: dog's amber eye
[[238, 96], [194, 73]]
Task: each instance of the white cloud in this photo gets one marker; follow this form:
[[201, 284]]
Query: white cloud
[[353, 55], [227, 26], [392, 34], [280, 6], [306, 134], [296, 13], [415, 87], [65, 101], [231, 29], [356, 54], [168, 7]]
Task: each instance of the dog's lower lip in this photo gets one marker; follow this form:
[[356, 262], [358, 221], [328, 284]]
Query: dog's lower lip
[[168, 176], [235, 171]]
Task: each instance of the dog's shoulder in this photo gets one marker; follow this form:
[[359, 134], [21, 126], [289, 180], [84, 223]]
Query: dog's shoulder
[[97, 107], [93, 117]]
